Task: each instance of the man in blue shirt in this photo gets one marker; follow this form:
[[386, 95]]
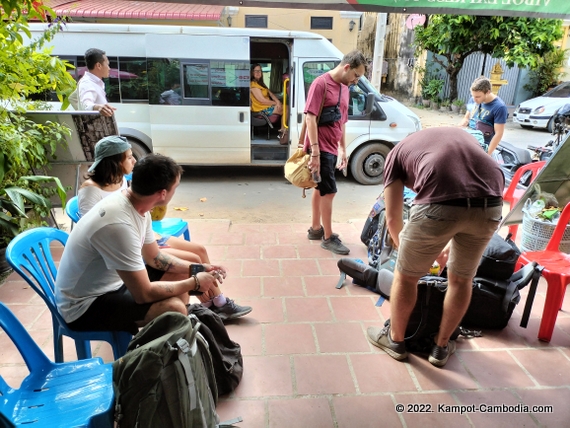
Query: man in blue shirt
[[486, 112]]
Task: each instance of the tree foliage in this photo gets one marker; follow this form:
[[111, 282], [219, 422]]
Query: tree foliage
[[27, 69], [520, 41]]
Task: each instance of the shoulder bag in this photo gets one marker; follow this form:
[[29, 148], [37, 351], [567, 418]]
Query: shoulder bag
[[296, 168]]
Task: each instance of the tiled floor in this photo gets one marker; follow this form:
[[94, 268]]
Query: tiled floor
[[308, 363]]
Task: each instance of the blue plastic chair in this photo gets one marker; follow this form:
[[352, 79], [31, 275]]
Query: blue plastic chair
[[74, 394], [30, 255], [166, 227]]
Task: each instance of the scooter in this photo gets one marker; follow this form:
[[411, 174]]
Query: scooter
[[510, 158]]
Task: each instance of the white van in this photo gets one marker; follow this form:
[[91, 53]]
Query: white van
[[206, 120]]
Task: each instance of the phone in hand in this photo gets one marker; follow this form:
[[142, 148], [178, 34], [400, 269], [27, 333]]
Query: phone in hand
[[196, 268]]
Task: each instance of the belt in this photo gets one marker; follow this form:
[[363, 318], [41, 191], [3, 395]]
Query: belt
[[491, 201]]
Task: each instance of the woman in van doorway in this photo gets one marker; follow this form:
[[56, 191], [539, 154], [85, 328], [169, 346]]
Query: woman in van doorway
[[262, 99]]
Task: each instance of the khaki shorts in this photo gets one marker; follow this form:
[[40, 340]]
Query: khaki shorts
[[431, 226]]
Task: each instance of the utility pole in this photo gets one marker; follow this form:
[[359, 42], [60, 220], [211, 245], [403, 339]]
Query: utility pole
[[378, 57]]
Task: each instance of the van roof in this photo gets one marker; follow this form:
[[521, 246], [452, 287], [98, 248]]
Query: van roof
[[179, 29]]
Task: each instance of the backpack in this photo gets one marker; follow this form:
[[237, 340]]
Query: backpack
[[499, 258], [226, 354], [425, 318], [166, 378], [493, 300]]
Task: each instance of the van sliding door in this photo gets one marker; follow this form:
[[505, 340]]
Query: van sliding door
[[199, 97]]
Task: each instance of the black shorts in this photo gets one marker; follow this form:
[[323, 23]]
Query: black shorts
[[115, 311], [328, 167]]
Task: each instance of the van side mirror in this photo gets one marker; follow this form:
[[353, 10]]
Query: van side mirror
[[370, 100]]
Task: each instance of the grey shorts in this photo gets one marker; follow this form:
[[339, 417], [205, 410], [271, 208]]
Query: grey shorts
[[430, 227]]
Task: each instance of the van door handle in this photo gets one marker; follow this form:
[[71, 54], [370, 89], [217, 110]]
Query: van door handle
[[241, 116], [299, 117]]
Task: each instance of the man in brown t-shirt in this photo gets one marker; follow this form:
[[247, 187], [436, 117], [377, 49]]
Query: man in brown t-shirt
[[326, 143], [457, 209]]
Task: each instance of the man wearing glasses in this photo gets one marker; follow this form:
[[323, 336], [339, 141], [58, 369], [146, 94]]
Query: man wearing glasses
[[326, 142]]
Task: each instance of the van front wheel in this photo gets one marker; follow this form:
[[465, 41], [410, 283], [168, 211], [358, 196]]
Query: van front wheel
[[367, 164], [139, 149]]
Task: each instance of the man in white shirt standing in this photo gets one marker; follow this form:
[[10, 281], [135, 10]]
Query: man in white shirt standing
[[91, 88]]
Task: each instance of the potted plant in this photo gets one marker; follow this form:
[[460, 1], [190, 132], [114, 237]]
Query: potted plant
[[456, 105], [445, 105], [432, 90]]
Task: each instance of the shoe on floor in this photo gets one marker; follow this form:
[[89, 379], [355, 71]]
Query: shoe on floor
[[231, 310], [315, 235], [335, 245], [380, 337], [440, 354]]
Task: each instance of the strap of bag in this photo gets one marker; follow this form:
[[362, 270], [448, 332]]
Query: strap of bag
[[302, 135], [531, 293]]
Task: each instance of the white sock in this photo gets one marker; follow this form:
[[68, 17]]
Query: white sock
[[219, 301]]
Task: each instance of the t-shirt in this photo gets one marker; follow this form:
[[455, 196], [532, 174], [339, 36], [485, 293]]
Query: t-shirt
[[256, 106], [330, 134], [108, 238], [488, 113], [443, 163], [88, 196]]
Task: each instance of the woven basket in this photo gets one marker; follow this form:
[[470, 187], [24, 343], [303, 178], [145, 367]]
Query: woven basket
[[536, 234]]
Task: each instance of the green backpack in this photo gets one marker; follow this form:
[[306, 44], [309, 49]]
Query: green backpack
[[166, 378]]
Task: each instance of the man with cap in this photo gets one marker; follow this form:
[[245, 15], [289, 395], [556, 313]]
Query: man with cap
[[103, 283], [113, 160]]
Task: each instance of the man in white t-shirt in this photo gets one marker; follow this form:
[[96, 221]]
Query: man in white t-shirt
[[102, 281], [91, 88]]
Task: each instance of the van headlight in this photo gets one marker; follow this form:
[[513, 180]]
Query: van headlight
[[417, 123], [539, 110]]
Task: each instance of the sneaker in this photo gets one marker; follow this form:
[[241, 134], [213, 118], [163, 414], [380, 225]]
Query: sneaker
[[440, 354], [231, 310], [315, 235], [335, 245], [380, 337]]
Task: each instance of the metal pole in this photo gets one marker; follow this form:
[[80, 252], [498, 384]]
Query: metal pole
[[378, 58]]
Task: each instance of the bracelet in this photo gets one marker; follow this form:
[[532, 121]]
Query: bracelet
[[316, 144], [315, 156], [197, 287]]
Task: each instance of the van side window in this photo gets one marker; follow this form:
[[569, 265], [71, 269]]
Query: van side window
[[196, 81], [230, 83], [163, 75], [312, 70], [133, 76]]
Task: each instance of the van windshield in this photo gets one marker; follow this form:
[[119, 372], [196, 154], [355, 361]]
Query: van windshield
[[365, 84]]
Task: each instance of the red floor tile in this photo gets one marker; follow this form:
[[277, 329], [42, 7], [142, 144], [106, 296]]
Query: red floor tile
[[300, 413], [351, 308], [558, 398], [341, 337], [283, 286], [379, 372], [261, 268], [323, 374], [299, 267], [365, 412], [279, 252], [289, 339], [549, 367], [495, 369], [308, 309], [265, 376]]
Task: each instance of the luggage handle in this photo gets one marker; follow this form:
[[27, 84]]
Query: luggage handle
[[537, 272]]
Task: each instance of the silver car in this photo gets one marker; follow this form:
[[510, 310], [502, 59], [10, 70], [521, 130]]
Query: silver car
[[537, 112]]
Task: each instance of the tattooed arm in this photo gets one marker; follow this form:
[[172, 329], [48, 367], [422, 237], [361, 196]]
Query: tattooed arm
[[174, 282]]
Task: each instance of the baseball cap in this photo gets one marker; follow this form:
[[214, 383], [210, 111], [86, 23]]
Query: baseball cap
[[109, 146]]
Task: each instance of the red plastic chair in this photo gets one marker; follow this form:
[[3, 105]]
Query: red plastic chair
[[556, 272], [512, 194]]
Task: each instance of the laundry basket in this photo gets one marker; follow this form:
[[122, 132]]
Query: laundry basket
[[536, 233]]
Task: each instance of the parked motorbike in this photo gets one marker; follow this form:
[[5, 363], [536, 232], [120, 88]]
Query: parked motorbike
[[510, 158]]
